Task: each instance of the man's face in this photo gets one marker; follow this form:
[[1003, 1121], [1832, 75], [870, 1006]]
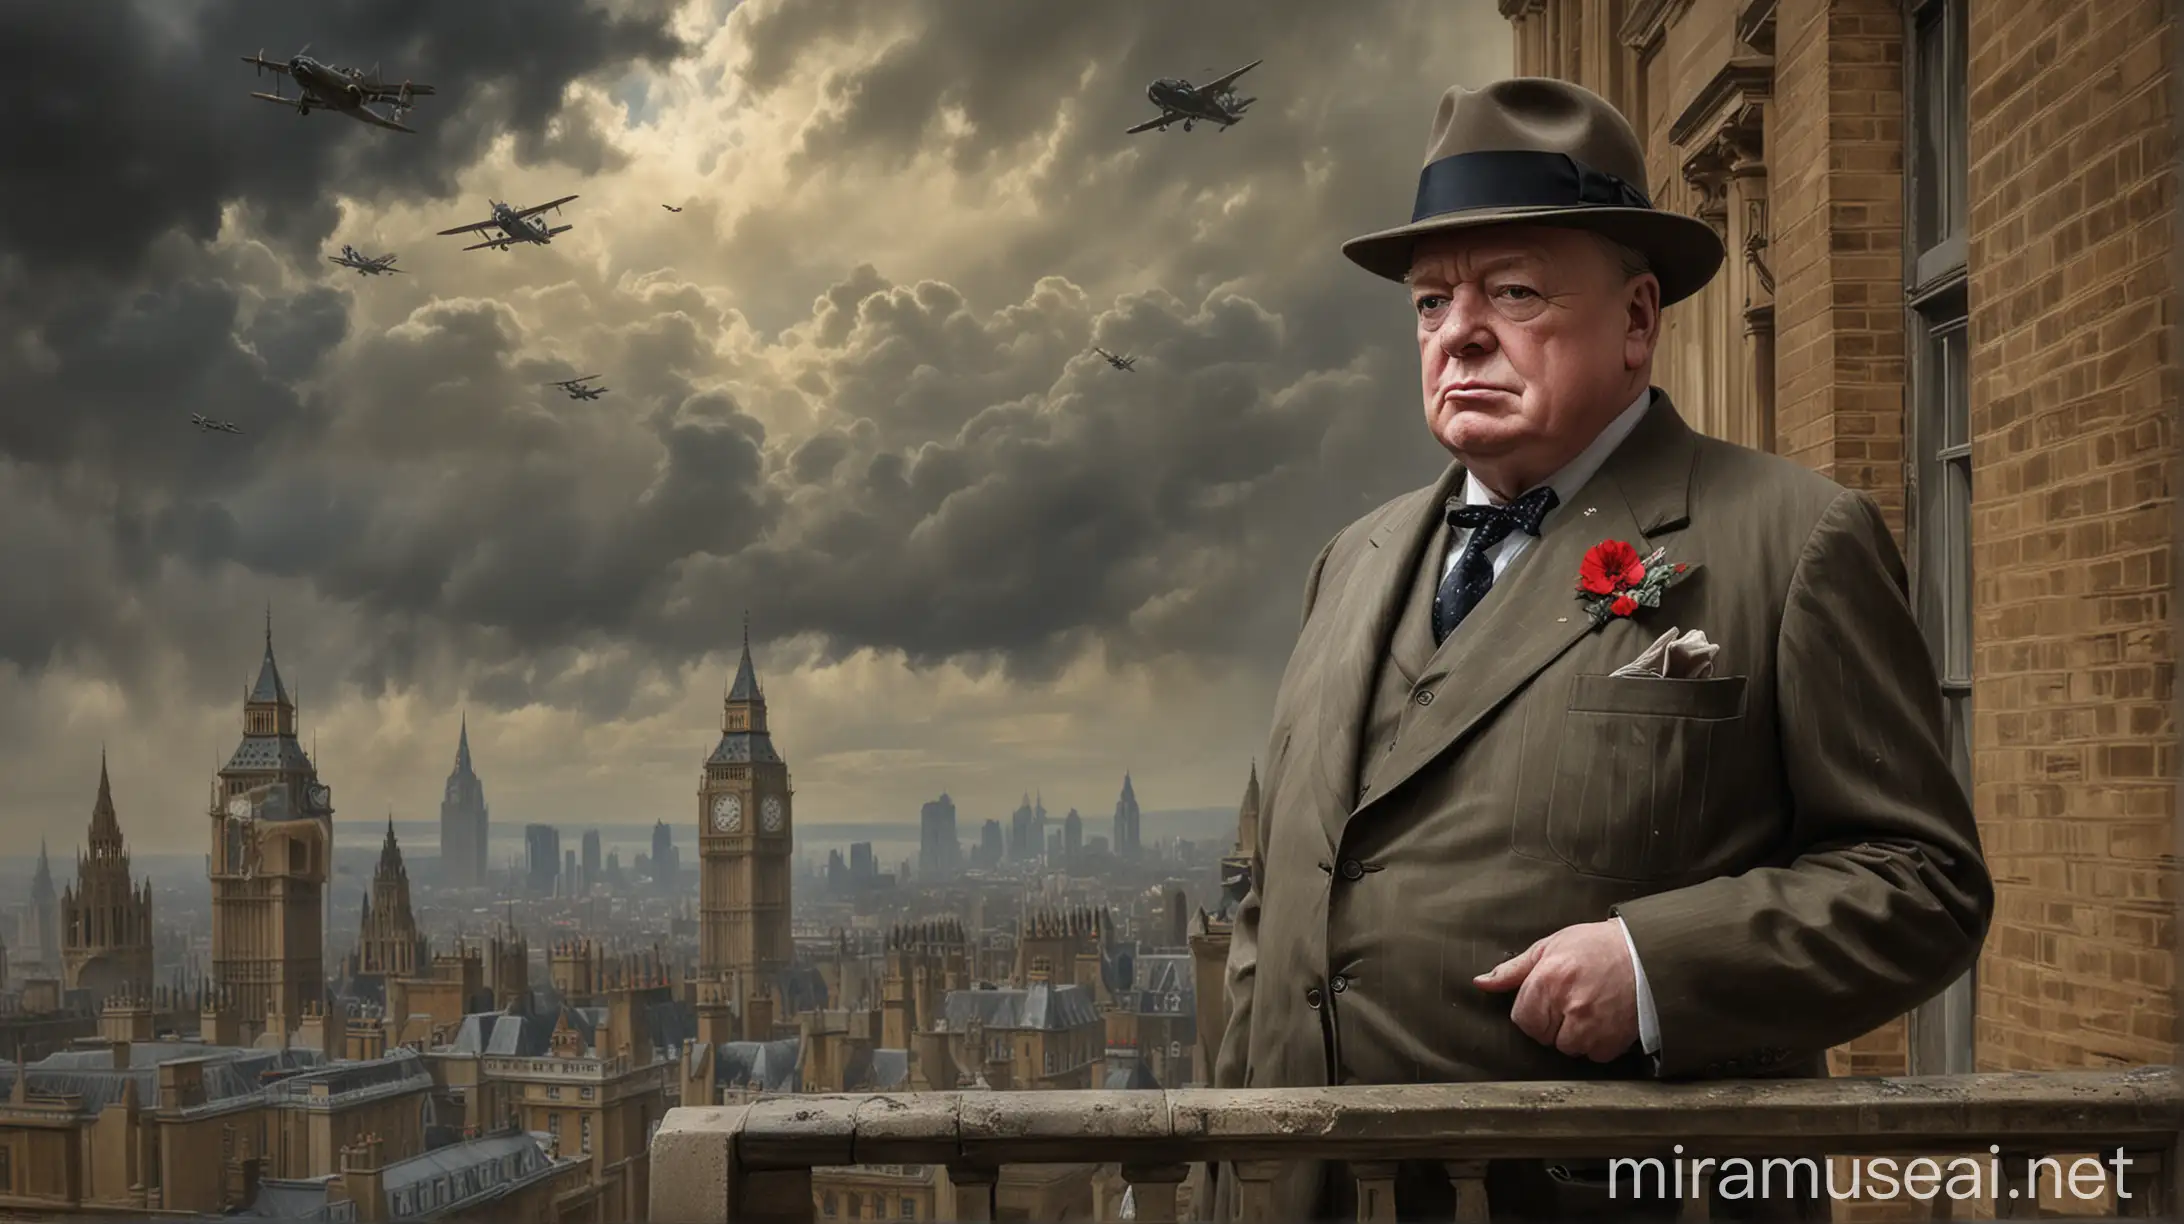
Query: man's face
[[1530, 340]]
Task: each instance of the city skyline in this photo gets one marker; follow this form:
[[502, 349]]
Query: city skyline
[[854, 395]]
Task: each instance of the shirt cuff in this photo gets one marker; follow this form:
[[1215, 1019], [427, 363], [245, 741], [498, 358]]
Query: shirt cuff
[[1649, 1021]]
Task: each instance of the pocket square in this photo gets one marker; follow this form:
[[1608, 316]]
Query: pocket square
[[1675, 655]]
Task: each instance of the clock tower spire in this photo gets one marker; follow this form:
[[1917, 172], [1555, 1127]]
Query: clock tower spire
[[744, 840]]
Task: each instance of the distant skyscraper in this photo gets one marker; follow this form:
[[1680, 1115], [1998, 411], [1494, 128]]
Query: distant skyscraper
[[666, 860], [1023, 846], [592, 862], [1127, 820], [1072, 835], [572, 885], [542, 859], [940, 851], [990, 844], [464, 821], [1038, 826]]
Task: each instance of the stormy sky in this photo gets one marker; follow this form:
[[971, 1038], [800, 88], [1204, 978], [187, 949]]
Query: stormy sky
[[852, 393]]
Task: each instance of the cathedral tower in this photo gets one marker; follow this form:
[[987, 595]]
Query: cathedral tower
[[463, 822], [38, 938], [387, 944], [744, 842], [272, 841], [106, 917]]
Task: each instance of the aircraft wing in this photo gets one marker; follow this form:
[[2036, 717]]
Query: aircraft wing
[[1166, 117], [263, 62], [383, 91], [536, 209], [468, 229], [492, 242], [368, 115], [1219, 85], [305, 103]]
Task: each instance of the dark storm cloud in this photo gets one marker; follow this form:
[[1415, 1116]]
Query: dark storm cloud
[[943, 469], [129, 118]]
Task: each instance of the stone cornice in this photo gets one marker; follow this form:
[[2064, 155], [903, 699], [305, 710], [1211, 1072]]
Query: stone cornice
[[1756, 25], [1743, 80], [1648, 20], [1513, 9]]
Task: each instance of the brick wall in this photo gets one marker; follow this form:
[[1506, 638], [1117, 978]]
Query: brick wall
[[1835, 164], [2074, 398]]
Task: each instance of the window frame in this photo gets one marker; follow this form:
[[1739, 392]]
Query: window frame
[[1938, 477]]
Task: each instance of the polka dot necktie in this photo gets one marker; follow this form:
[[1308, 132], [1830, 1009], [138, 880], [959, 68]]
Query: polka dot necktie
[[1468, 581]]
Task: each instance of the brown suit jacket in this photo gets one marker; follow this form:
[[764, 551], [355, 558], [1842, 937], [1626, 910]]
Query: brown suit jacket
[[1794, 859]]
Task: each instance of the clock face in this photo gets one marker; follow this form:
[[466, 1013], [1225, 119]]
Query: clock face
[[771, 813], [238, 807], [727, 814], [321, 798]]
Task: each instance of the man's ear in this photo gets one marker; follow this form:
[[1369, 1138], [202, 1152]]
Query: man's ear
[[1642, 315]]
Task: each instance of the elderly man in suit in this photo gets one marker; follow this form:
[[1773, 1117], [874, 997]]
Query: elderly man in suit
[[1616, 751]]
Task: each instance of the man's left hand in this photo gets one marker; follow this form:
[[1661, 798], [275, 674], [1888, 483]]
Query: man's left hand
[[1575, 991]]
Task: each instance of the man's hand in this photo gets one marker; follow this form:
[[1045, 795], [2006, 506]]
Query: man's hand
[[1575, 991]]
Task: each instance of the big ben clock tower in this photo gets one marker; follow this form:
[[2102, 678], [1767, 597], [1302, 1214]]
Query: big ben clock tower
[[744, 841]]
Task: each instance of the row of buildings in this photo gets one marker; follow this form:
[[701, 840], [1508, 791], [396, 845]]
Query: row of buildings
[[490, 1080]]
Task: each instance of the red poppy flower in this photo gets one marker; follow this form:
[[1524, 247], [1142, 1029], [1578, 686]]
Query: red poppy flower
[[1608, 567], [1624, 605]]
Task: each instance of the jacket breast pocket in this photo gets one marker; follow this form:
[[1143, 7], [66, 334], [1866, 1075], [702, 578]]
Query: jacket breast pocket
[[1631, 788]]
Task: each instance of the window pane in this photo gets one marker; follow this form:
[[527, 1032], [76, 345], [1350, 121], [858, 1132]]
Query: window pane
[[1956, 505], [1929, 128], [1956, 389]]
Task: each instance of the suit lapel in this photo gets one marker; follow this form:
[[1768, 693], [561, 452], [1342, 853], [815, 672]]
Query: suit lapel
[[1372, 600], [1533, 615]]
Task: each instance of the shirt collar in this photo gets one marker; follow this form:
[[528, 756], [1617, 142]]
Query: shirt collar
[[1571, 479]]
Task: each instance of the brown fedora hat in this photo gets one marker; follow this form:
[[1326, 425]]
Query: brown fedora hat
[[1537, 151]]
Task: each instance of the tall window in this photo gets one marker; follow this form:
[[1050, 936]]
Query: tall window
[[1938, 428]]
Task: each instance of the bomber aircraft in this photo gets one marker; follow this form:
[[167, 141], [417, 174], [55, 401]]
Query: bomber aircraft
[[515, 224], [350, 91], [1182, 102], [365, 265]]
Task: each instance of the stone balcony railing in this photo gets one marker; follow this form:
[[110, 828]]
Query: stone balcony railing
[[753, 1162]]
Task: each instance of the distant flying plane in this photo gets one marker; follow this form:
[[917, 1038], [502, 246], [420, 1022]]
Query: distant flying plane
[[1182, 102], [515, 225], [1120, 363], [321, 86], [207, 423], [670, 208], [365, 265], [577, 390]]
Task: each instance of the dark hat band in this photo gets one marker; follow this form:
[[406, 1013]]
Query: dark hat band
[[1518, 178]]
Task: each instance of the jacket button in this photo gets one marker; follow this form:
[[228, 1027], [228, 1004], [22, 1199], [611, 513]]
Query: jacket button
[[1312, 997], [1352, 869], [1340, 983], [1425, 697]]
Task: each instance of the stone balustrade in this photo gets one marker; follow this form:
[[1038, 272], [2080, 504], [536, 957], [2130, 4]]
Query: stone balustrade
[[752, 1162]]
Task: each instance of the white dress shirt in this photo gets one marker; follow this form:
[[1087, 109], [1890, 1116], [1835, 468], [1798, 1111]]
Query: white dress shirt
[[1567, 483]]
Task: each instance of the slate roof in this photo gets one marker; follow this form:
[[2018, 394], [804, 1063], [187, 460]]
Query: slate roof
[[1042, 1006], [231, 1075], [269, 752], [744, 747], [776, 1066], [503, 1034]]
